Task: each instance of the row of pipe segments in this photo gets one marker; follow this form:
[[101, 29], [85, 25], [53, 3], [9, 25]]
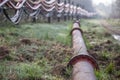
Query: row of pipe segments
[[47, 8], [83, 64]]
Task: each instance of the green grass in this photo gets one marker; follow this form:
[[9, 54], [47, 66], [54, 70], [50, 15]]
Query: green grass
[[57, 32], [23, 71]]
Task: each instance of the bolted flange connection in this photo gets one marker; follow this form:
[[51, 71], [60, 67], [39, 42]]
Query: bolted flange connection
[[84, 57]]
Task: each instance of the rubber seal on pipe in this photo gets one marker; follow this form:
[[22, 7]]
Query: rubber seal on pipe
[[83, 57], [76, 29]]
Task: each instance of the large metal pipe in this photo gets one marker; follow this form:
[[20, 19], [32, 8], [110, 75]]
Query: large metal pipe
[[83, 64]]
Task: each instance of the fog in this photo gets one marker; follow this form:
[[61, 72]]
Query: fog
[[105, 2]]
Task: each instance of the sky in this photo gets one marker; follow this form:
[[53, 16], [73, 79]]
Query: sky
[[106, 2]]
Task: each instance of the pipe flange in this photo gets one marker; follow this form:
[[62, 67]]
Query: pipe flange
[[76, 29], [83, 57]]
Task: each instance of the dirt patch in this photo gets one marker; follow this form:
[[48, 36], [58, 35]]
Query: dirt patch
[[4, 51], [2, 35], [63, 70], [53, 51], [107, 34], [58, 69], [101, 52], [104, 46], [58, 52], [25, 41], [117, 62]]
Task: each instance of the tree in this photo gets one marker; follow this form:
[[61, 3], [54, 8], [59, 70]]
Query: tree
[[115, 12], [86, 4]]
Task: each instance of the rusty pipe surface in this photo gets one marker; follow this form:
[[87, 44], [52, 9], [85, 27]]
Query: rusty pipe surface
[[83, 64], [78, 42]]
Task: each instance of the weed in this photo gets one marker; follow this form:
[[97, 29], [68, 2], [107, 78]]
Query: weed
[[105, 55], [102, 75], [110, 68]]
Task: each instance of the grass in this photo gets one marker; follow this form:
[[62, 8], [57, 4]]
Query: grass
[[103, 48], [114, 22], [37, 51], [58, 32], [23, 71], [41, 51]]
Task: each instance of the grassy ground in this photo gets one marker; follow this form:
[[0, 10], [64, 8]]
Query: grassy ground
[[114, 22], [104, 48], [41, 51], [112, 25], [35, 51]]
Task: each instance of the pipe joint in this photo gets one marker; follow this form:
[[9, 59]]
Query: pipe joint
[[76, 29], [83, 57]]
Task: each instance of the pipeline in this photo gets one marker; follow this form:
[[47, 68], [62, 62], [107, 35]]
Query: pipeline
[[83, 64]]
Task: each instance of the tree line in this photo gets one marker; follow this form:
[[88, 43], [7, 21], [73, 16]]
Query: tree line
[[115, 12]]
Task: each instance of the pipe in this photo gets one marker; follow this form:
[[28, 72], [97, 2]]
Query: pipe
[[83, 64]]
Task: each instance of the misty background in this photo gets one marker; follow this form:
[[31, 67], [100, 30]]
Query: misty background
[[103, 10]]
